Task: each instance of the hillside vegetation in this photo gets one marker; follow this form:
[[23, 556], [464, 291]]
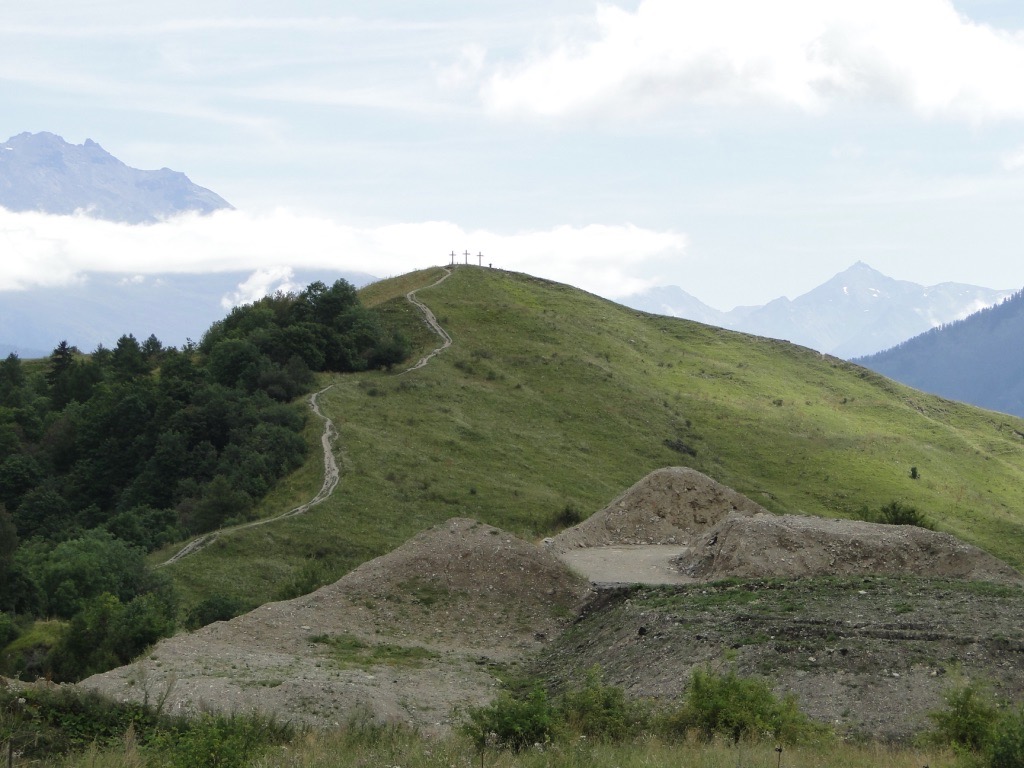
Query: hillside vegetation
[[552, 401]]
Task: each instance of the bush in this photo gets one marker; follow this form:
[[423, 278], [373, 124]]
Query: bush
[[8, 631], [601, 712], [567, 517], [977, 729], [219, 741], [1007, 750], [511, 722], [49, 721], [898, 513], [215, 608], [969, 720], [740, 708]]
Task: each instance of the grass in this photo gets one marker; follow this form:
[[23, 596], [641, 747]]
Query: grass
[[552, 398], [348, 651], [370, 745]]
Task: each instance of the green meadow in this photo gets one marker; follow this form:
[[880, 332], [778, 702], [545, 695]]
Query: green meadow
[[552, 400]]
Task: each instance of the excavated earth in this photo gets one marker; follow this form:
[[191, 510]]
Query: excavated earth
[[408, 637], [866, 623]]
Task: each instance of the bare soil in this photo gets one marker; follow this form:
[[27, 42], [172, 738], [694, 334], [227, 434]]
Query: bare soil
[[464, 598], [423, 631]]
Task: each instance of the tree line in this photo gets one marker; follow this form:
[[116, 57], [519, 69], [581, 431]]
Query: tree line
[[107, 456]]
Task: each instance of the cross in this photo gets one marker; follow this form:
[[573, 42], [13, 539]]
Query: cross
[[453, 257], [466, 254], [480, 257]]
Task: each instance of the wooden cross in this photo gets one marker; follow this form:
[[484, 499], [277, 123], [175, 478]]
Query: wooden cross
[[453, 257], [466, 254]]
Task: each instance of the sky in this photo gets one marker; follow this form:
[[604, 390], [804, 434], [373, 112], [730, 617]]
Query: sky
[[740, 149]]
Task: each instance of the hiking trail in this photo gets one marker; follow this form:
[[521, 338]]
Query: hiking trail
[[332, 474]]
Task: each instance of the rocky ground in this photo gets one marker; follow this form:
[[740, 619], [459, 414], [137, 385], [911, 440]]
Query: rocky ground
[[415, 635]]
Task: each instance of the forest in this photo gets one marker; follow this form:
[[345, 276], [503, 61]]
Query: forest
[[107, 456]]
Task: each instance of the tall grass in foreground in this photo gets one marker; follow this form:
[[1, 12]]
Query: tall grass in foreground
[[343, 749]]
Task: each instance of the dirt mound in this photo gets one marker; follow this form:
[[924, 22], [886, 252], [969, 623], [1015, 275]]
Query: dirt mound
[[407, 636], [669, 506], [794, 546]]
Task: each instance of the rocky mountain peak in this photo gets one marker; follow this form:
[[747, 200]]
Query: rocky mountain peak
[[42, 172]]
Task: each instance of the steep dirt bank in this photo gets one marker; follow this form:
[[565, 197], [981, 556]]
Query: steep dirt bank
[[869, 655], [407, 636], [793, 546]]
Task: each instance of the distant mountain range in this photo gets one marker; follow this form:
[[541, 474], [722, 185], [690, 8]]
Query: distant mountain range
[[858, 312], [42, 172], [978, 360]]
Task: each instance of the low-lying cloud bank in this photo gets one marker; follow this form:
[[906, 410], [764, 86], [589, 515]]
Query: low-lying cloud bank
[[41, 250]]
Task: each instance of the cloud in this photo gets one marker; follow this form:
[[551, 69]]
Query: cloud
[[465, 70], [808, 55], [1014, 161], [262, 282], [44, 250]]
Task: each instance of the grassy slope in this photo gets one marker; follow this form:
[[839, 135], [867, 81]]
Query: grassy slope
[[552, 397]]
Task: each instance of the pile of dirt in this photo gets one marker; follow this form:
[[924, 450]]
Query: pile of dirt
[[794, 546], [673, 505], [406, 637], [415, 635]]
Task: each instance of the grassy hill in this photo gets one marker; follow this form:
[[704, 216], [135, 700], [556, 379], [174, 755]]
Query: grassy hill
[[552, 401]]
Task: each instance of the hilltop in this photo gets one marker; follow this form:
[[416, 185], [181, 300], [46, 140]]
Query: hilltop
[[551, 401]]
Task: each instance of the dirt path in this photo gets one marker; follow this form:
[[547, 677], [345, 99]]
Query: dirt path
[[332, 475], [431, 321], [643, 564]]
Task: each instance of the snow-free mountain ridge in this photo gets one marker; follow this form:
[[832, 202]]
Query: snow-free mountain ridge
[[977, 360]]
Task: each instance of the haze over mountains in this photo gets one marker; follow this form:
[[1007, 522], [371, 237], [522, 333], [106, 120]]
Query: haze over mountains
[[858, 312], [42, 172], [977, 360]]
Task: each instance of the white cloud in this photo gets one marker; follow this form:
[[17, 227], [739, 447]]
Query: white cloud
[[465, 70], [262, 282], [803, 54], [43, 250], [1014, 161]]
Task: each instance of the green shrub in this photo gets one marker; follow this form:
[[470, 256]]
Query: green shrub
[[1007, 749], [601, 712], [215, 608], [48, 721], [218, 741], [512, 723], [8, 631], [969, 720], [567, 517], [982, 733], [898, 513], [740, 708]]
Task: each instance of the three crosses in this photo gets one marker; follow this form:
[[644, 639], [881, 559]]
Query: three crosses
[[479, 256]]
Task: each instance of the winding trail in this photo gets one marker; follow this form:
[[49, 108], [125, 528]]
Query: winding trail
[[431, 321], [332, 474]]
